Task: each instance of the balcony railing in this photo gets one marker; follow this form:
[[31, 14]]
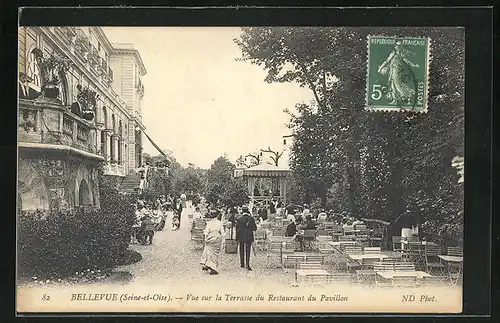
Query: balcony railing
[[56, 126], [110, 73], [82, 42], [67, 34]]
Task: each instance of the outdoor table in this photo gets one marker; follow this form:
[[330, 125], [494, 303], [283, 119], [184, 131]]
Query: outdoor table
[[367, 256], [422, 243], [391, 274], [338, 243], [453, 259]]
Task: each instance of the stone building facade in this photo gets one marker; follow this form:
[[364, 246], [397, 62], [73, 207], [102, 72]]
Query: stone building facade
[[79, 109]]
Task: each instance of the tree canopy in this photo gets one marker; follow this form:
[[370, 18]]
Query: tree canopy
[[374, 164]]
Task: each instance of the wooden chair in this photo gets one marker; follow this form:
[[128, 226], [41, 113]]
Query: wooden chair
[[415, 253], [309, 237], [404, 266], [324, 233], [434, 281], [278, 232], [383, 266], [260, 239], [315, 258], [353, 250], [293, 260], [370, 250], [404, 281], [348, 230], [396, 244], [376, 237], [290, 246], [336, 230], [324, 247], [432, 261], [275, 248], [455, 269], [455, 251]]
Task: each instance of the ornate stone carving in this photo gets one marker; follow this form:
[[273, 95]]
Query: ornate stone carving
[[51, 167]]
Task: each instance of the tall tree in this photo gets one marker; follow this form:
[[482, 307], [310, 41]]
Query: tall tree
[[387, 161]]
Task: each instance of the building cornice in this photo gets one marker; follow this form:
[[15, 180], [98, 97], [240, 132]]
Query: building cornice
[[103, 38], [59, 149], [120, 49], [54, 39]]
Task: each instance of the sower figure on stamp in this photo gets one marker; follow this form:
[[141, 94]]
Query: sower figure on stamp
[[245, 226]]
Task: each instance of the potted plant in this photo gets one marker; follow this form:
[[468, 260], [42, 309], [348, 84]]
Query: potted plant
[[51, 69], [87, 99]]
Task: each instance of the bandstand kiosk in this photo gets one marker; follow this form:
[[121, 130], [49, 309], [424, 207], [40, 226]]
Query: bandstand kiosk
[[264, 176]]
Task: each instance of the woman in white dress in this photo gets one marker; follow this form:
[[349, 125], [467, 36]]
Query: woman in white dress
[[214, 236]]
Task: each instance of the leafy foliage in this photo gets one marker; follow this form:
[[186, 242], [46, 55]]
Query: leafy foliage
[[374, 164], [222, 189], [60, 244]]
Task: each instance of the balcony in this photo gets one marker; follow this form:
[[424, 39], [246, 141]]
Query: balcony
[[47, 125], [82, 43], [93, 56], [67, 34]]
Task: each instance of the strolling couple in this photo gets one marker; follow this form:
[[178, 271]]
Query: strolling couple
[[214, 234]]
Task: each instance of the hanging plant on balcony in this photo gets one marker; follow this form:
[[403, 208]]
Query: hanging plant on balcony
[[87, 101], [52, 68]]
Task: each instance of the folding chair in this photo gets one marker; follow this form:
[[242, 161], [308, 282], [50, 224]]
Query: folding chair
[[415, 253], [404, 266], [455, 269], [290, 246], [260, 237], [293, 260], [315, 258], [376, 236], [309, 237], [432, 261], [275, 248], [353, 250], [396, 244], [348, 230], [278, 232]]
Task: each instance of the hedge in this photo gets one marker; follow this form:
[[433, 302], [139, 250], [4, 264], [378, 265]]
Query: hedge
[[59, 244]]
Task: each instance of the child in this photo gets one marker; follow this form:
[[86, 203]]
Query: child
[[175, 223], [148, 227]]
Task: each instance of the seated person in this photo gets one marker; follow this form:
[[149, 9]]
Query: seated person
[[147, 230], [291, 231], [322, 216], [310, 224]]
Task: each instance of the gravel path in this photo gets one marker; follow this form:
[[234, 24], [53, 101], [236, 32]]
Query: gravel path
[[173, 258]]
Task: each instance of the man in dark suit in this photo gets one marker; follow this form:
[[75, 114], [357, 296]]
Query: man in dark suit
[[245, 226]]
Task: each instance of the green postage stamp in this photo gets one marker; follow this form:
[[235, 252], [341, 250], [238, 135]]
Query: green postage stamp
[[398, 73]]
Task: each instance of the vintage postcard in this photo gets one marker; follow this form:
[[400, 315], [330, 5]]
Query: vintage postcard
[[240, 169]]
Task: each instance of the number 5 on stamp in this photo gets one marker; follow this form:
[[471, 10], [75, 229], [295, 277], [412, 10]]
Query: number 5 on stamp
[[397, 73]]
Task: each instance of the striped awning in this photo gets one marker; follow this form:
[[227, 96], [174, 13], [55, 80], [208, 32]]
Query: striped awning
[[262, 170]]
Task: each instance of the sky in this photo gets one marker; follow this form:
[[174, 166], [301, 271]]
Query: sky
[[200, 103]]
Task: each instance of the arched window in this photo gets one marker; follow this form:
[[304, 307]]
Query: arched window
[[84, 197]]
